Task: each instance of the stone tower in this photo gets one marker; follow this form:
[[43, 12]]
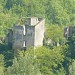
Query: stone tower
[[31, 33]]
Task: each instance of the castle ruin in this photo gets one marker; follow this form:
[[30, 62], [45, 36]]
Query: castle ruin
[[30, 34], [68, 31]]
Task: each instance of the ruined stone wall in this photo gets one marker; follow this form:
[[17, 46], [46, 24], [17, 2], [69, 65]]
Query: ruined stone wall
[[34, 21], [29, 36], [18, 37], [68, 31], [39, 33], [31, 21]]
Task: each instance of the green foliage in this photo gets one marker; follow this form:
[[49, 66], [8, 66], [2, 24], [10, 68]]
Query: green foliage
[[72, 68], [54, 35], [54, 32], [41, 61], [49, 60], [1, 64], [26, 7], [23, 65], [72, 47], [6, 22], [58, 13], [71, 43]]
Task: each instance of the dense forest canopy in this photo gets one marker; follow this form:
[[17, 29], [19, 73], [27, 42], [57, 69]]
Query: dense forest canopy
[[48, 61], [60, 12]]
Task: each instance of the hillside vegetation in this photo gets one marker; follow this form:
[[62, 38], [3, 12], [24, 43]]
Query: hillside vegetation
[[46, 60]]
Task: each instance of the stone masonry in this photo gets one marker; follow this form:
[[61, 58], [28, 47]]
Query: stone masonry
[[30, 34], [68, 31]]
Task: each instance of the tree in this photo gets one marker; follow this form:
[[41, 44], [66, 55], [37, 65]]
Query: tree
[[55, 33], [49, 61], [23, 65], [54, 13]]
